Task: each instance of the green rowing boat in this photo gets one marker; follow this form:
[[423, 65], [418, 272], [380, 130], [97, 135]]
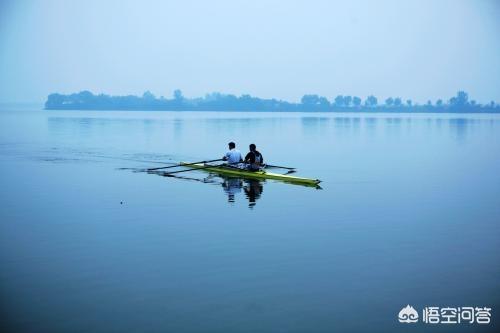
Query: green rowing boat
[[232, 171]]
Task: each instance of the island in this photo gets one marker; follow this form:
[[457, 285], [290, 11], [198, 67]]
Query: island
[[86, 100]]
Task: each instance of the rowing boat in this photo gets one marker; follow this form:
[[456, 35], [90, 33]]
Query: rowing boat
[[233, 171]]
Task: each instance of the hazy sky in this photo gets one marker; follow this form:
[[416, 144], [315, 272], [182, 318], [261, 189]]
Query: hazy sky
[[284, 49]]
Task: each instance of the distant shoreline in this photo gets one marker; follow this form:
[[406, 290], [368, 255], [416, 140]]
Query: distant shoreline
[[371, 111], [218, 102]]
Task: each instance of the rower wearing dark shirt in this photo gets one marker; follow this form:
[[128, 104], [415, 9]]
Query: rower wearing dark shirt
[[254, 158]]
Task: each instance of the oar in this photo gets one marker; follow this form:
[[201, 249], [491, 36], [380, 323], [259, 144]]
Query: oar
[[184, 164], [191, 169], [280, 167]]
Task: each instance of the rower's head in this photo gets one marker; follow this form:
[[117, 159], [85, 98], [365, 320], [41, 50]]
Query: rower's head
[[252, 147], [231, 145]]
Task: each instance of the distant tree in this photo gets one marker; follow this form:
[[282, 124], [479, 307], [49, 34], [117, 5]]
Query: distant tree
[[473, 103], [429, 103], [214, 96], [55, 101], [461, 99], [347, 100], [409, 102], [310, 100], [178, 94], [148, 95], [397, 102], [371, 101], [439, 103], [247, 102], [85, 95], [339, 100], [389, 101], [323, 102], [315, 102]]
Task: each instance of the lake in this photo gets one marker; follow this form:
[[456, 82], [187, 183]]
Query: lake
[[408, 213]]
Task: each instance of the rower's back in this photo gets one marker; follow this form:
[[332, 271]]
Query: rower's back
[[233, 155], [254, 158]]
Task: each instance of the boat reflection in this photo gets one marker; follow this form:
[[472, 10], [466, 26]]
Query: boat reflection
[[231, 185]]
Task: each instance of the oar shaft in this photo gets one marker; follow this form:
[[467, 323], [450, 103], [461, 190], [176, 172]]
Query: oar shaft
[[281, 167], [198, 168], [191, 169], [185, 164]]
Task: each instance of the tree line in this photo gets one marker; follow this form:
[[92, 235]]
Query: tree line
[[85, 100]]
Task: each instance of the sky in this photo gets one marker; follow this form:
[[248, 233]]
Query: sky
[[426, 49]]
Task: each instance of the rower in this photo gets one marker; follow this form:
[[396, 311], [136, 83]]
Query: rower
[[233, 155], [254, 158]]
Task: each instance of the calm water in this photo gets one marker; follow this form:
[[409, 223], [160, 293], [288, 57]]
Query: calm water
[[408, 213]]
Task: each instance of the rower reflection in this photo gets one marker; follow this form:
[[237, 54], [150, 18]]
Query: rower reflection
[[232, 186], [252, 187]]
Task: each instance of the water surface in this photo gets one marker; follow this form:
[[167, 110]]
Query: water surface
[[408, 213]]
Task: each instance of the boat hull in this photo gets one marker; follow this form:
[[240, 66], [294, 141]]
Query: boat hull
[[230, 171]]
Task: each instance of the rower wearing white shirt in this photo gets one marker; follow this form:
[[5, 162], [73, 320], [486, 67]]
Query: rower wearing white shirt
[[233, 156]]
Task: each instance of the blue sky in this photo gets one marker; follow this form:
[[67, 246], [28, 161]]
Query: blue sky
[[284, 49]]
